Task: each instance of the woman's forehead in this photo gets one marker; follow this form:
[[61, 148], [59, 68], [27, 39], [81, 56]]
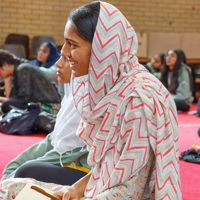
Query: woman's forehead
[[70, 34], [69, 28], [44, 47]]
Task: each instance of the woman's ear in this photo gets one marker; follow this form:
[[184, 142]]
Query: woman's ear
[[5, 65]]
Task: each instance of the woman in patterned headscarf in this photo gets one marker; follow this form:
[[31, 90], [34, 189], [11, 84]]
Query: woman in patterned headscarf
[[129, 118]]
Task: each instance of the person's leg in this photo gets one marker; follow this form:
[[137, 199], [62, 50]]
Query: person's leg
[[6, 105], [49, 173], [182, 105]]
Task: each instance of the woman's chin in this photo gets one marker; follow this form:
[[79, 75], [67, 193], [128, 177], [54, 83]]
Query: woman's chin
[[61, 80]]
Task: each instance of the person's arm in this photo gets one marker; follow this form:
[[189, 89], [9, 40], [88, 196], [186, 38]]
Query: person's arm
[[2, 99], [8, 86], [134, 187], [122, 191], [183, 90], [74, 192]]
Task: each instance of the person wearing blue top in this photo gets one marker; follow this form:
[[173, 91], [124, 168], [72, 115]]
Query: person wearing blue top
[[47, 56]]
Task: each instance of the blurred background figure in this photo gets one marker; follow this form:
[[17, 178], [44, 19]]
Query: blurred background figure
[[29, 84], [184, 61], [156, 64], [177, 78], [47, 56]]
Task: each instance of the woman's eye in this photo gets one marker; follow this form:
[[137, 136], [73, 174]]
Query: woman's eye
[[72, 45]]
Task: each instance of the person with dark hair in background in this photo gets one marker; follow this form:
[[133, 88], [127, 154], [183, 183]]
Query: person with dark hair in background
[[30, 84], [47, 56], [129, 119], [184, 61], [156, 64], [177, 78]]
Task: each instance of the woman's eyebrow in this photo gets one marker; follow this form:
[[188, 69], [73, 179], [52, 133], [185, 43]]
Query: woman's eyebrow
[[71, 40]]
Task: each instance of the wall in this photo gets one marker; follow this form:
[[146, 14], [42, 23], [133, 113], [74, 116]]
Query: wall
[[48, 17]]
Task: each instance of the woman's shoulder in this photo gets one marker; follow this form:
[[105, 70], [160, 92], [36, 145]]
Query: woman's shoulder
[[26, 66], [185, 67], [29, 68]]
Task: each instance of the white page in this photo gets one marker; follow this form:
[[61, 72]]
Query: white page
[[30, 194]]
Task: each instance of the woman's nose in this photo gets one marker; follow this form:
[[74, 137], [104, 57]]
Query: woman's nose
[[59, 63], [66, 50]]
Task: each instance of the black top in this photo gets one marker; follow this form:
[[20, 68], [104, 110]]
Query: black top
[[30, 84]]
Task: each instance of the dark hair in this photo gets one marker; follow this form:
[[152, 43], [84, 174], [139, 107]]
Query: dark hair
[[162, 56], [8, 57], [85, 20], [174, 80], [46, 44], [183, 57]]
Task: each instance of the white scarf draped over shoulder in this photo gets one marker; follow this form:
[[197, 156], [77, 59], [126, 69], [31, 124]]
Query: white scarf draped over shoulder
[[126, 112], [64, 136]]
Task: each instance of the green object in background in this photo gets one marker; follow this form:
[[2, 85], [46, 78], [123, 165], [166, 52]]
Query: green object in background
[[47, 107], [50, 108]]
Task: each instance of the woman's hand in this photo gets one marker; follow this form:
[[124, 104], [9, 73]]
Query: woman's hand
[[69, 193], [58, 195], [74, 192]]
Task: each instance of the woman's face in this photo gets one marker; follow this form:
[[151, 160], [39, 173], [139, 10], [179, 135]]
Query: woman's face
[[171, 59], [43, 54], [77, 50], [64, 70], [156, 62], [6, 70]]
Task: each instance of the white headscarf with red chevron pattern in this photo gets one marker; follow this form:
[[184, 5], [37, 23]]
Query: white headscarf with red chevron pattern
[[126, 112]]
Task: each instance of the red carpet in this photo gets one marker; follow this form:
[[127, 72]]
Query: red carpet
[[190, 172], [12, 145]]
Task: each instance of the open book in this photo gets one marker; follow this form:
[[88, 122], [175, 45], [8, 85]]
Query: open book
[[33, 192]]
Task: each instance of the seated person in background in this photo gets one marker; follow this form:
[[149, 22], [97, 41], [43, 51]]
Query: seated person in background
[[43, 160], [156, 64], [46, 58], [29, 83], [193, 73], [6, 88], [177, 78]]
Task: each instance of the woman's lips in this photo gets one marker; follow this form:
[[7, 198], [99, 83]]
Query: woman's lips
[[59, 73], [72, 64]]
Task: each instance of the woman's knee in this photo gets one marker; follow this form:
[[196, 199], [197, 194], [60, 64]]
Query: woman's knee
[[28, 170]]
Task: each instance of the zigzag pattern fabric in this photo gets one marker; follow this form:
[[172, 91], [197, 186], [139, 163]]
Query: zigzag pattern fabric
[[129, 118]]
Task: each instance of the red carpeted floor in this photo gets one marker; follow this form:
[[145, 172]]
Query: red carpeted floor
[[12, 145], [190, 172]]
